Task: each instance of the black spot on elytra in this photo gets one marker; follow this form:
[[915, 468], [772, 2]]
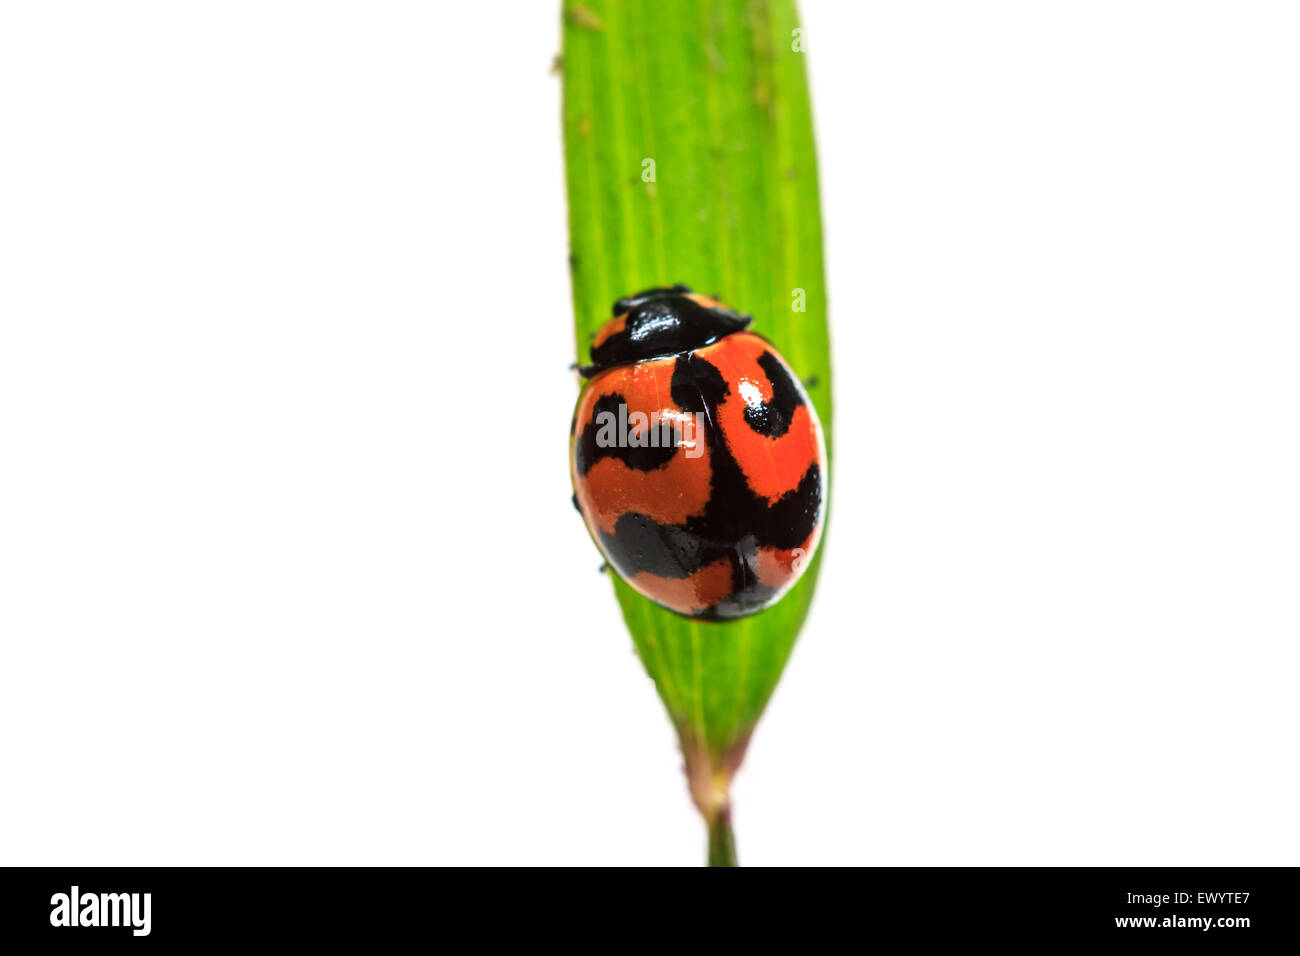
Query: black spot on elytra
[[772, 419], [670, 551], [697, 386], [747, 593], [794, 515], [588, 451]]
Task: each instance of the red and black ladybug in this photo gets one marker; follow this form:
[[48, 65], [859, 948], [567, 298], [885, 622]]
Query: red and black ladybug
[[698, 460]]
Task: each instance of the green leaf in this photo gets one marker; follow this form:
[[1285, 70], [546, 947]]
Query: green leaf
[[715, 95]]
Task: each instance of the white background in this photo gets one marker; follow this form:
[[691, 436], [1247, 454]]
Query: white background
[[288, 568]]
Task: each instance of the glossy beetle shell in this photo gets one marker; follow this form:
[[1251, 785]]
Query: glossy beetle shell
[[715, 512]]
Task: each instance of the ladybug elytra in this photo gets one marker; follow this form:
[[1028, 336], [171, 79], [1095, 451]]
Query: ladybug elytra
[[697, 458]]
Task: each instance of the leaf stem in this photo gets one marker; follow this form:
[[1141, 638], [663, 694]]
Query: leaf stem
[[722, 841]]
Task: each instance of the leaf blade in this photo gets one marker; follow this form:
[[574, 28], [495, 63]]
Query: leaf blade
[[716, 97]]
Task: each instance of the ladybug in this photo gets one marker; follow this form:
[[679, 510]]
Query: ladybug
[[697, 459]]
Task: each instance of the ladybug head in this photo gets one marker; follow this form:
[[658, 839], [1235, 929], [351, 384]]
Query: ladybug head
[[657, 323]]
